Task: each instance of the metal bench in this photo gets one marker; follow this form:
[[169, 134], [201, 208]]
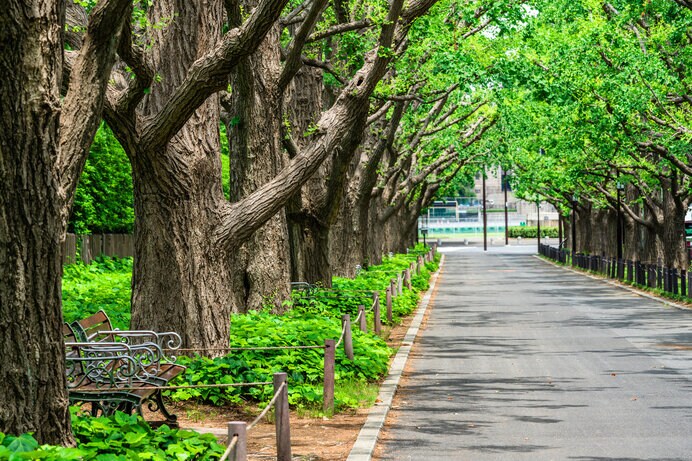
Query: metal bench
[[119, 370]]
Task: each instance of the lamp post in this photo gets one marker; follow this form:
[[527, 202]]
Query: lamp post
[[619, 227], [574, 227], [485, 217], [538, 223], [504, 187]]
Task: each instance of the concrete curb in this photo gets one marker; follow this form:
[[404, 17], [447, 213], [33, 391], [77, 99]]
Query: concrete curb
[[364, 446], [641, 293]]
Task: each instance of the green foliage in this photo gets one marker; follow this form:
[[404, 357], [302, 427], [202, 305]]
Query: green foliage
[[103, 199], [103, 284], [305, 367], [120, 437], [532, 231]]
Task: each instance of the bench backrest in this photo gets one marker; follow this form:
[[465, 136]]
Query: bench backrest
[[88, 329]]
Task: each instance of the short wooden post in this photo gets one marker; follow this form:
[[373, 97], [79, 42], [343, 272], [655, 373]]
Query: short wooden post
[[420, 263], [407, 277], [377, 320], [400, 284], [238, 428], [328, 390], [348, 338], [389, 303], [363, 322], [282, 422]]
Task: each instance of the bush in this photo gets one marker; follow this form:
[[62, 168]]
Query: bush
[[103, 200], [119, 437], [532, 231], [105, 284]]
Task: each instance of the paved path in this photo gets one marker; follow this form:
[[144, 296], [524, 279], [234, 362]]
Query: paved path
[[521, 360]]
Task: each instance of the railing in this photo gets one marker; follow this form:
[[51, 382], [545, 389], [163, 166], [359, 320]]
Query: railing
[[656, 276], [88, 247]]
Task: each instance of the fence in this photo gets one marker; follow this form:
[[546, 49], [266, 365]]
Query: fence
[[95, 245], [669, 280], [238, 430]]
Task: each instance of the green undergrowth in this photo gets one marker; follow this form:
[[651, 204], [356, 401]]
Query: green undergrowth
[[120, 437], [103, 284], [312, 317]]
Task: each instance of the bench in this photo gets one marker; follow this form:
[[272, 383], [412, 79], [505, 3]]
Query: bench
[[119, 370]]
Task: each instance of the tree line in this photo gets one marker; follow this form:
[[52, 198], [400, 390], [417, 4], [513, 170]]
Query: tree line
[[343, 120], [596, 119]]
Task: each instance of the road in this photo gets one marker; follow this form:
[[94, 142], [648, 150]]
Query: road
[[521, 360]]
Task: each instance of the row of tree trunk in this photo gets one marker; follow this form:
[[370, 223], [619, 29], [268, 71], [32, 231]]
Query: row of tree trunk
[[653, 232]]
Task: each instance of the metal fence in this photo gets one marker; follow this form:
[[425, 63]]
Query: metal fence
[[668, 279]]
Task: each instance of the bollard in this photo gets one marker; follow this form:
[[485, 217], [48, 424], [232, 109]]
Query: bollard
[[238, 428], [400, 284], [407, 278], [328, 389], [377, 319], [282, 423], [388, 297], [363, 322], [348, 338]]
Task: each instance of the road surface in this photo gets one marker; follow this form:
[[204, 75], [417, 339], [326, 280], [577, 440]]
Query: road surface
[[521, 360]]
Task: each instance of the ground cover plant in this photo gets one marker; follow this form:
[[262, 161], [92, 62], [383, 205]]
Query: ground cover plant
[[120, 437], [310, 319]]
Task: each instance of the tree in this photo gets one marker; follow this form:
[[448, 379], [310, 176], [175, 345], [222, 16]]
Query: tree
[[44, 141]]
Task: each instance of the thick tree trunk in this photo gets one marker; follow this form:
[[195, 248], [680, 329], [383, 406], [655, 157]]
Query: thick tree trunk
[[33, 394], [261, 266], [181, 280]]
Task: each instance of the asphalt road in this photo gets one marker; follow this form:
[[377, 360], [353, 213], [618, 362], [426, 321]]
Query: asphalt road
[[521, 360]]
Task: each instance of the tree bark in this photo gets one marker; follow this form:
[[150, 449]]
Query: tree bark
[[43, 145], [261, 266], [34, 388], [181, 281]]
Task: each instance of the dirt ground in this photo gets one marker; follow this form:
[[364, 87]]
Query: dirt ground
[[312, 439]]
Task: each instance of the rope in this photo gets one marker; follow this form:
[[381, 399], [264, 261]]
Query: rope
[[269, 405], [231, 446], [266, 348], [360, 314], [156, 388], [341, 338]]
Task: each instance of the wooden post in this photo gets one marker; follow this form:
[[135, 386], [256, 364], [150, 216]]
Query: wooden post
[[282, 423], [328, 390], [377, 320], [400, 284], [238, 428], [407, 278], [389, 303], [363, 323], [420, 263], [348, 337]]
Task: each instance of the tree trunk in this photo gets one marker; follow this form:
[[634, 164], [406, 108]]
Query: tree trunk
[[181, 280], [261, 266], [32, 223]]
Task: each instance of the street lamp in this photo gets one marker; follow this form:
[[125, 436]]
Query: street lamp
[[575, 197], [619, 227]]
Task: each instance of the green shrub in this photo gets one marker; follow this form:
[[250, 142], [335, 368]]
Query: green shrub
[[119, 437], [305, 367], [103, 284], [532, 231], [103, 199]]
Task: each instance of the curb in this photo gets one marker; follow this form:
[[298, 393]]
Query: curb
[[364, 446], [641, 293]]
